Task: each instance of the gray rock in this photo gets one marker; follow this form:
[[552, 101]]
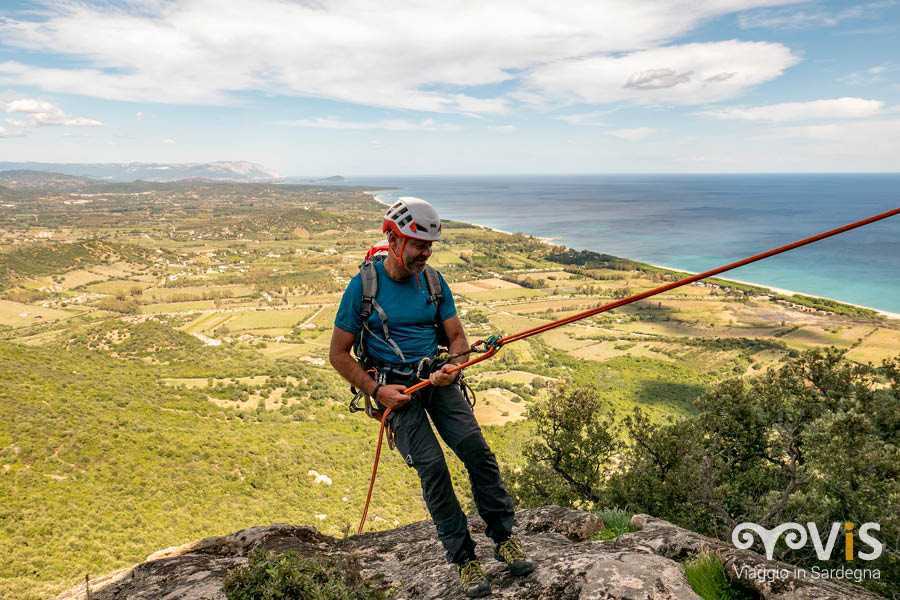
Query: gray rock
[[636, 566]]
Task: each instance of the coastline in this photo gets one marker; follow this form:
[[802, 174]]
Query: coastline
[[777, 290], [783, 291]]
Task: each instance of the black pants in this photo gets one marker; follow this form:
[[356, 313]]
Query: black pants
[[452, 417]]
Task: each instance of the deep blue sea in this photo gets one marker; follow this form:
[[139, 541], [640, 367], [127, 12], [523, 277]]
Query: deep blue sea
[[696, 222]]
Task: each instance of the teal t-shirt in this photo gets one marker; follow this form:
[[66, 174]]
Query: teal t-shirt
[[410, 317]]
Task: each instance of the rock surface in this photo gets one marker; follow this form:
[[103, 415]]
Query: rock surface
[[635, 566]]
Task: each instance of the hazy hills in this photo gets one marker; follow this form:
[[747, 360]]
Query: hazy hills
[[221, 170], [20, 179]]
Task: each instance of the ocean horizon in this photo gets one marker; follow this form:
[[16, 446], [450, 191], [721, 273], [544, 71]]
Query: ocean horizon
[[695, 222]]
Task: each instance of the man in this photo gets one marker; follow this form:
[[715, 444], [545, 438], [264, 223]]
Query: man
[[400, 331]]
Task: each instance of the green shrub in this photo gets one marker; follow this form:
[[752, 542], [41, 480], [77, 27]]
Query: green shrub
[[616, 521], [708, 580], [289, 576]]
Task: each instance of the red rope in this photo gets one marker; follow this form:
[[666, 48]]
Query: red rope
[[606, 307]]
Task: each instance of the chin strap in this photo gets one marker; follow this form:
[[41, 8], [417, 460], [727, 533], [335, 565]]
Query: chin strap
[[398, 257]]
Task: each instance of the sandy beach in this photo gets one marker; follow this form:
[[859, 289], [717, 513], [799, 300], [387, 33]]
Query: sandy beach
[[785, 292]]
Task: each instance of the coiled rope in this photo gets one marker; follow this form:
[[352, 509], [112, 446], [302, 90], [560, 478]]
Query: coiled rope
[[491, 346]]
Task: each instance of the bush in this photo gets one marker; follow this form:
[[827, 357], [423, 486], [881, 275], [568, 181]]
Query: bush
[[707, 578], [289, 576], [616, 521], [128, 307]]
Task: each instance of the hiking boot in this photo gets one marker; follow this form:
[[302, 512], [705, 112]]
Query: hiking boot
[[513, 554], [474, 582]]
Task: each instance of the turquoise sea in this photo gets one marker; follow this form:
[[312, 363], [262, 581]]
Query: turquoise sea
[[696, 222]]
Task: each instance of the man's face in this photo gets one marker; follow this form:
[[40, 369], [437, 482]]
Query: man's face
[[415, 254]]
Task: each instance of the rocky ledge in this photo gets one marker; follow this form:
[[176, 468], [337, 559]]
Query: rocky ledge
[[635, 566]]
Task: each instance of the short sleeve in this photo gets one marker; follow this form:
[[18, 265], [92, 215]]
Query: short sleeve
[[348, 315], [448, 307]]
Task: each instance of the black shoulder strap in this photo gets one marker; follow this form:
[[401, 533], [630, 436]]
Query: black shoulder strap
[[369, 276], [436, 294]]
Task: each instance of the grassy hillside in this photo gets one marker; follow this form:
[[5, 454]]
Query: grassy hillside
[[103, 463]]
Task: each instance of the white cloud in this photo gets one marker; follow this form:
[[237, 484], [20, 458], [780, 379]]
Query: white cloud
[[838, 108], [872, 132], [686, 74], [69, 134], [844, 146], [389, 124], [42, 113], [139, 116], [705, 159], [579, 118], [870, 75], [168, 141], [782, 18], [15, 122], [5, 133], [421, 54], [632, 135], [502, 128]]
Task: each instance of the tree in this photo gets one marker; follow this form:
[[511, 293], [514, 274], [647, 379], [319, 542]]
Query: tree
[[574, 443], [816, 441]]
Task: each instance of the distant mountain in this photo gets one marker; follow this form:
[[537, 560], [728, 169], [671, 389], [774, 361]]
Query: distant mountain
[[332, 179], [23, 179], [216, 171]]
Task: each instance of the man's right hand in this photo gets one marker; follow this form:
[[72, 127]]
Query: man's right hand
[[392, 396]]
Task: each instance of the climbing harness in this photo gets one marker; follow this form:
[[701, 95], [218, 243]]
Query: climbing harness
[[419, 371], [492, 345]]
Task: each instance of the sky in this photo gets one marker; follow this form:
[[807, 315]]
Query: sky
[[356, 87]]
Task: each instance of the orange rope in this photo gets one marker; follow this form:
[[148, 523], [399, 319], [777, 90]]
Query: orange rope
[[374, 471], [492, 350]]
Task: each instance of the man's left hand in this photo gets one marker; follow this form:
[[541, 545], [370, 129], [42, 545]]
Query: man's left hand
[[444, 376]]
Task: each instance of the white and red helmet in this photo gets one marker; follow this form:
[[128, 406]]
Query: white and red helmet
[[413, 218]]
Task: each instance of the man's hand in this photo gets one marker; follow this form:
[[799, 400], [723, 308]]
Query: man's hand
[[392, 396], [444, 376]]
